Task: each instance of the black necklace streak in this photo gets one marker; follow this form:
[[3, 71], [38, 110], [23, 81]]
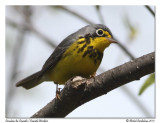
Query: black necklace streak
[[86, 41], [94, 54]]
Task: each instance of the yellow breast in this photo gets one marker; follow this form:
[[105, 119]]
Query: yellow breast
[[80, 59]]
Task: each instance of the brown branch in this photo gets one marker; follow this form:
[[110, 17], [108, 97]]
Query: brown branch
[[76, 93]]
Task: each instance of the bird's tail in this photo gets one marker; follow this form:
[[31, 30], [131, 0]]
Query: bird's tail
[[30, 81]]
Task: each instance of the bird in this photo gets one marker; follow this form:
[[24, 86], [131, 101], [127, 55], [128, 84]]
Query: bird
[[79, 54]]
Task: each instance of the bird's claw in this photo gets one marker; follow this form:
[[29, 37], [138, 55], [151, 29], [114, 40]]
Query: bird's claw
[[58, 91]]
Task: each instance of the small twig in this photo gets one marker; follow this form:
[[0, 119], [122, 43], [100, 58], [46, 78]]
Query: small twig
[[99, 14], [125, 49], [150, 10], [75, 14], [32, 29], [28, 25]]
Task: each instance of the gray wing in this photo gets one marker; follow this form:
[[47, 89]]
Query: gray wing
[[57, 54]]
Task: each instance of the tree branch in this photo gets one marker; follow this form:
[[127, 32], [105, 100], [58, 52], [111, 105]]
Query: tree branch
[[76, 93]]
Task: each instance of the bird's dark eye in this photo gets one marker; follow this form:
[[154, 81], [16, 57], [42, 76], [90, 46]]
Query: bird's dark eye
[[99, 32]]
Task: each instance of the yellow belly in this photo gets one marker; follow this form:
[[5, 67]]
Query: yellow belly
[[71, 66], [80, 59]]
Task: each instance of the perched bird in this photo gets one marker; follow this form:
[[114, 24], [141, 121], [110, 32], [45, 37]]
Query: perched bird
[[79, 54]]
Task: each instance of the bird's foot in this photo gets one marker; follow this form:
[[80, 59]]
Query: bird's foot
[[93, 75], [58, 91]]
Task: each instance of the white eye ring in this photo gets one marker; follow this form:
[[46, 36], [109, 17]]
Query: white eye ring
[[99, 32]]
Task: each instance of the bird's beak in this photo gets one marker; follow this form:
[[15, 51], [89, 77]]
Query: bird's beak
[[111, 40]]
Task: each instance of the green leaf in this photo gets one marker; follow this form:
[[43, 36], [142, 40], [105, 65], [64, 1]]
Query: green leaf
[[132, 28], [150, 80]]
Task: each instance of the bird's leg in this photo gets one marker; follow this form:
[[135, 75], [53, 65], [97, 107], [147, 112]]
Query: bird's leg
[[93, 75], [58, 91]]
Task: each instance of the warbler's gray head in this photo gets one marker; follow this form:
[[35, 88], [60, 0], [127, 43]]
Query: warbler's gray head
[[95, 30]]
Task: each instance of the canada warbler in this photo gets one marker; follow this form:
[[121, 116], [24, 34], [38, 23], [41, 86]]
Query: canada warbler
[[79, 54]]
